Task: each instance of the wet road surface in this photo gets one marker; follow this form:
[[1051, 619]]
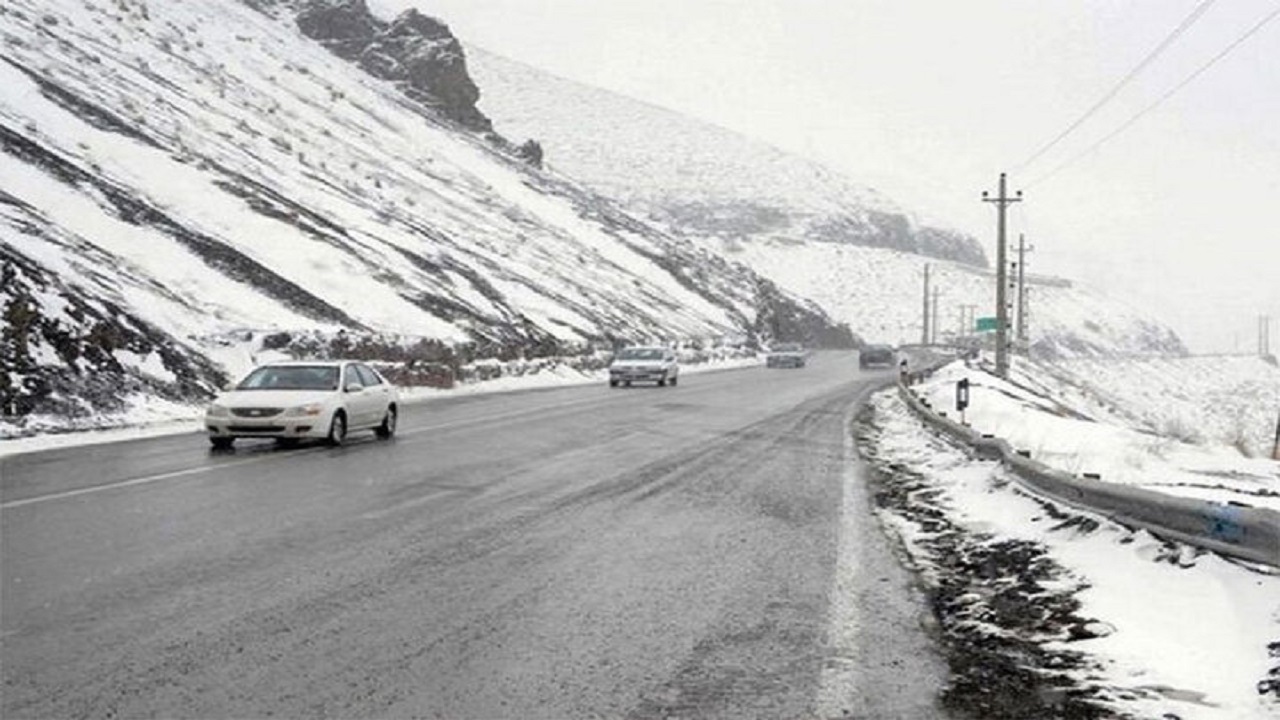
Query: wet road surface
[[701, 551]]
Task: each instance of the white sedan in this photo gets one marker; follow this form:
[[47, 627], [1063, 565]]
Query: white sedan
[[292, 401]]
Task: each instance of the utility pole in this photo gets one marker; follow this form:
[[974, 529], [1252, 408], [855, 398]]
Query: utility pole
[[933, 327], [1021, 334], [924, 335], [1002, 201]]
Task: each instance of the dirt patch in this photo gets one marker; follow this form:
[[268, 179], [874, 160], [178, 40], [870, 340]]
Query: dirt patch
[[996, 601]]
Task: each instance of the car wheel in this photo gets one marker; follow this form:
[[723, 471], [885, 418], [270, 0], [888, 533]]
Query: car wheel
[[626, 383], [388, 426], [337, 429], [673, 380], [221, 443], [662, 382], [613, 383]]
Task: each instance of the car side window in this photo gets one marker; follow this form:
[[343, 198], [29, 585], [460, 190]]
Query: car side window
[[350, 377], [368, 376]]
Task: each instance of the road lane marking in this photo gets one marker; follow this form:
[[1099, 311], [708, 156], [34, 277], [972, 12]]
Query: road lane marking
[[272, 456], [140, 481], [840, 677], [497, 417]]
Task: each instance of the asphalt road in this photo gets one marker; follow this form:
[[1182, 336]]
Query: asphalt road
[[702, 551]]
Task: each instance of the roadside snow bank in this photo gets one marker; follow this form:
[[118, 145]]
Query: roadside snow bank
[[1146, 629], [1062, 428]]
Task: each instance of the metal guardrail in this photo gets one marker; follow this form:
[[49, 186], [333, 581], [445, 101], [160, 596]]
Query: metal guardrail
[[1247, 533]]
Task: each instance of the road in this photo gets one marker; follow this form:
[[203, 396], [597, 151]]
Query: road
[[702, 551]]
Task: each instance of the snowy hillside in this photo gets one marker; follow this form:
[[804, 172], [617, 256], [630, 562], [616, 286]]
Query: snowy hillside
[[696, 178], [879, 294], [1229, 401], [181, 178], [1064, 425], [815, 233]]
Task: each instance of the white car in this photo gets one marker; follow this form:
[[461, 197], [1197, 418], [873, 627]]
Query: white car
[[292, 401], [644, 364]]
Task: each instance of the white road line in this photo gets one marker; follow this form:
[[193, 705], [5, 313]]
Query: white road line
[[538, 410], [273, 456], [840, 678], [140, 481]]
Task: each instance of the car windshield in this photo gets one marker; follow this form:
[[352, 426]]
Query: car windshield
[[640, 354], [787, 347], [291, 377]]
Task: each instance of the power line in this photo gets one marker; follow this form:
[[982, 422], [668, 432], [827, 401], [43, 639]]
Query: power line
[[1140, 114], [1182, 27]]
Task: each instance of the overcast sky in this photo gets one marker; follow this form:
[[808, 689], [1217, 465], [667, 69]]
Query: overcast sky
[[929, 100]]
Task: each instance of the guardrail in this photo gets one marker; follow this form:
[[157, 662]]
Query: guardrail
[[1242, 532]]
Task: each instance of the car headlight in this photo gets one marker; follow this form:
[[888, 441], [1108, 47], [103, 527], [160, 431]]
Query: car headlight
[[308, 409], [217, 410]]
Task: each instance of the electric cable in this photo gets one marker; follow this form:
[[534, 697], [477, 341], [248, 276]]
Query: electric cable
[[1173, 91], [1182, 27]]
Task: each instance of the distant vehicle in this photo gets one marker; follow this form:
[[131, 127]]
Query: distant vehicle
[[644, 364], [292, 401], [782, 355], [876, 356]]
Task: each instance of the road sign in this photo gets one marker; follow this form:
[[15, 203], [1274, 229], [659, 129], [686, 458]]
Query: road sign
[[987, 323]]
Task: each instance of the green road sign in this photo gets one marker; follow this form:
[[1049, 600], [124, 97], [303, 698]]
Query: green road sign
[[987, 323]]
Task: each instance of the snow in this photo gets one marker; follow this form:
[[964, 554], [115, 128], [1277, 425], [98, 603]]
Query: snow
[[1190, 635], [229, 92], [869, 288], [150, 364], [1076, 438]]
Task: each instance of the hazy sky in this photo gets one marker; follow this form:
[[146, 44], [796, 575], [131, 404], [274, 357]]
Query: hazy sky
[[929, 100]]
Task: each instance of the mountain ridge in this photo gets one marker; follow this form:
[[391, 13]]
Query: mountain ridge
[[182, 180], [692, 176]]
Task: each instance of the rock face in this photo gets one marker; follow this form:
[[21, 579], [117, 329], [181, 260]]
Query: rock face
[[69, 354], [417, 52]]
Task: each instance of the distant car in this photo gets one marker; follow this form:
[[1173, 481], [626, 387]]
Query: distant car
[[876, 356], [644, 364], [786, 355], [292, 401]]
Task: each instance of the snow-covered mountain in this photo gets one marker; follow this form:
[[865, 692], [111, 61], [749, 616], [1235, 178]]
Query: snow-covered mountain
[[178, 179], [815, 233], [695, 177]]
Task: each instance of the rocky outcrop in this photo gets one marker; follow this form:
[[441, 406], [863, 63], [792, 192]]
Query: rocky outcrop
[[65, 353], [416, 51], [896, 232]]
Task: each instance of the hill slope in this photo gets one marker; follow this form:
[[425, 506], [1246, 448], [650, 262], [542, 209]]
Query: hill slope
[[180, 178], [813, 232], [695, 177]]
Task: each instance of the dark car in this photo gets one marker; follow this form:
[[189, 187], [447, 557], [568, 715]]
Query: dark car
[[792, 355], [876, 356]]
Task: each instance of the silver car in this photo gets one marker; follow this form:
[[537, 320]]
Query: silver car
[[292, 401], [644, 364]]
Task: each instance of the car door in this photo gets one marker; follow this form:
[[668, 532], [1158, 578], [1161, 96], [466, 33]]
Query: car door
[[377, 392], [354, 397]]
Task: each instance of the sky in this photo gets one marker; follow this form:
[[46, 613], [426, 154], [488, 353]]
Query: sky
[[930, 100]]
